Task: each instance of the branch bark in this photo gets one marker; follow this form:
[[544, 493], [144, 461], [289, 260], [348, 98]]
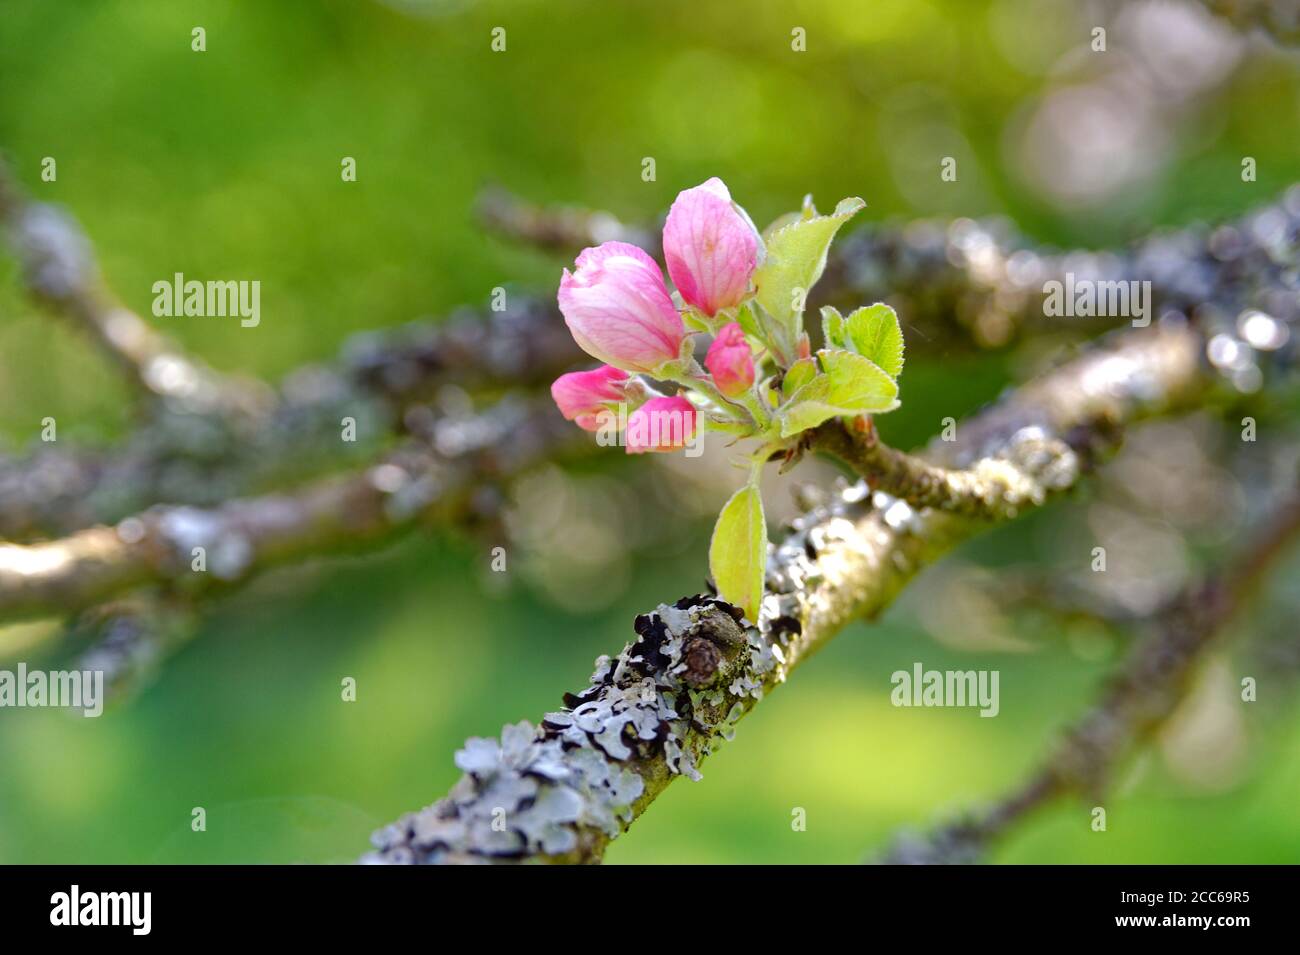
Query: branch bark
[[562, 791], [213, 436], [385, 381], [243, 537], [994, 488], [980, 281]]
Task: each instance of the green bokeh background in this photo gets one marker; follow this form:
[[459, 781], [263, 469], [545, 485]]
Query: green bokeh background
[[226, 163]]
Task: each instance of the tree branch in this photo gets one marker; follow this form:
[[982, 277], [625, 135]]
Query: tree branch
[[243, 537], [555, 228], [383, 381], [216, 437], [1141, 696], [59, 271], [130, 638], [980, 281], [994, 488], [562, 791]]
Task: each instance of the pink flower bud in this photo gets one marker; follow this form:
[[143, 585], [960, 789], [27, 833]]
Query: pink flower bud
[[661, 424], [711, 248], [619, 310], [583, 396], [729, 361]]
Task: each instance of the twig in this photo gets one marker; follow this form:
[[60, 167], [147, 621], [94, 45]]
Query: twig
[[217, 437], [980, 281], [1138, 699], [199, 549], [129, 639], [994, 488], [974, 477], [60, 272], [555, 228], [382, 381]]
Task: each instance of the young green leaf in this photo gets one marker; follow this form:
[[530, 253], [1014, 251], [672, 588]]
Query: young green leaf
[[805, 415], [850, 385], [875, 334], [796, 257], [806, 211], [738, 551], [833, 327], [857, 382], [748, 322], [799, 374]]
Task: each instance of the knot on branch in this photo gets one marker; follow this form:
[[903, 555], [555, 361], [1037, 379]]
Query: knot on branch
[[1020, 472], [1033, 465]]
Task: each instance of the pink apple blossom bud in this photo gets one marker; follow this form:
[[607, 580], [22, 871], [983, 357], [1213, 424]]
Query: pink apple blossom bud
[[583, 396], [619, 310], [661, 424], [711, 248], [729, 361]]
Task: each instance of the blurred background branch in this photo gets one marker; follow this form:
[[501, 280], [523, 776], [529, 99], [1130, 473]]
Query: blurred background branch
[[1280, 19], [1140, 698], [60, 272]]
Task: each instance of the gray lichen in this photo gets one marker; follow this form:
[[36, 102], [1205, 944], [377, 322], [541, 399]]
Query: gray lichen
[[558, 791], [548, 791]]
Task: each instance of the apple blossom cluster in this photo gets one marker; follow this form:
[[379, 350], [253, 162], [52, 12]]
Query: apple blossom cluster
[[760, 378]]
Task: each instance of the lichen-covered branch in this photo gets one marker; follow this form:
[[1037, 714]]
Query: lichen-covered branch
[[980, 281], [216, 436], [127, 640], [561, 791], [993, 488], [972, 476], [555, 228], [385, 384], [199, 549], [979, 275], [1140, 697]]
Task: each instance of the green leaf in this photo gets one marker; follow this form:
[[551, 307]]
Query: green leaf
[[694, 321], [807, 415], [806, 211], [833, 327], [800, 373], [857, 382], [875, 334], [796, 258], [850, 385], [738, 551], [758, 325], [749, 322]]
